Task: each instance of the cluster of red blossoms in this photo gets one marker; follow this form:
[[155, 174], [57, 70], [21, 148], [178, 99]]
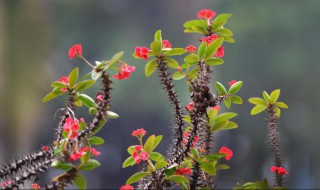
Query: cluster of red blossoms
[[209, 40], [142, 52], [166, 44], [139, 154], [190, 106], [227, 151], [279, 170], [186, 137], [124, 72], [75, 50], [64, 80], [5, 183], [126, 187], [182, 171], [206, 14], [191, 49], [71, 127], [35, 186], [83, 151], [139, 133]]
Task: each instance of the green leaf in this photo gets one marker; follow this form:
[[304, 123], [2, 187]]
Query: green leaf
[[236, 99], [224, 32], [101, 124], [221, 17], [172, 63], [189, 30], [231, 125], [175, 51], [130, 150], [83, 85], [171, 170], [190, 23], [73, 77], [156, 47], [219, 125], [78, 103], [194, 73], [208, 167], [57, 84], [157, 36], [235, 87], [96, 75], [212, 115], [114, 59], [187, 118], [202, 23], [225, 116], [217, 25], [128, 162], [281, 105], [151, 66], [148, 146], [222, 167], [202, 50], [61, 165], [199, 29], [257, 109], [156, 142], [136, 177], [227, 103], [96, 140], [214, 61], [212, 48], [274, 96], [184, 186], [87, 101], [155, 156], [89, 165], [80, 181], [93, 110], [258, 101], [221, 89], [277, 111], [191, 58], [160, 164], [178, 179], [256, 185], [266, 96], [228, 39], [85, 158], [178, 75], [112, 115], [51, 96]]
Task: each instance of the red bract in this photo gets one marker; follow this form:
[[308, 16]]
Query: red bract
[[179, 69], [44, 148], [182, 171], [218, 108], [125, 71], [4, 184], [166, 44], [206, 14], [75, 50], [191, 48], [142, 52], [95, 152], [209, 39], [139, 133], [279, 170], [220, 52], [227, 151], [139, 154], [126, 187], [190, 106], [71, 127], [232, 82], [35, 186], [64, 80], [100, 98]]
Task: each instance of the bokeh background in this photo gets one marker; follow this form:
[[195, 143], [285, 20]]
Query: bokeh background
[[277, 46]]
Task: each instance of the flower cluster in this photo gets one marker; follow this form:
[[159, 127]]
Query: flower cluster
[[64, 80], [220, 52], [142, 52], [166, 44], [139, 154], [71, 127], [206, 14], [227, 151], [125, 71], [218, 108], [186, 137], [83, 151], [75, 50], [182, 171], [191, 49], [279, 170], [139, 133], [35, 186], [209, 39], [5, 183], [190, 106]]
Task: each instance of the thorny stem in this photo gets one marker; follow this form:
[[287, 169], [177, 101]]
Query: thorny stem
[[274, 142]]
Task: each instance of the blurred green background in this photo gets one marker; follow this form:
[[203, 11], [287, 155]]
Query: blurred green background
[[277, 46]]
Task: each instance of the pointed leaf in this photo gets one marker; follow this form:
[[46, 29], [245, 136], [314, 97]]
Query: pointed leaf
[[178, 179], [151, 66], [258, 101], [172, 63], [160, 164], [156, 142], [191, 58], [257, 109], [281, 105], [199, 29], [227, 103], [194, 73], [57, 84], [217, 25], [148, 146], [221, 89], [175, 51], [274, 96], [189, 23], [221, 17], [136, 177], [219, 125], [236, 99], [222, 167], [155, 156], [224, 32], [208, 167], [51, 96], [73, 77], [128, 162], [231, 125], [61, 165], [225, 116], [235, 87], [157, 36], [87, 101], [81, 86], [115, 58], [202, 50], [266, 96], [112, 115], [80, 181], [96, 140], [214, 61], [156, 47], [228, 39], [90, 165], [178, 75], [130, 150], [277, 111], [212, 48]]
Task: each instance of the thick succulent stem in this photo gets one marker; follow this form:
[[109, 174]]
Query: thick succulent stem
[[62, 181], [274, 142]]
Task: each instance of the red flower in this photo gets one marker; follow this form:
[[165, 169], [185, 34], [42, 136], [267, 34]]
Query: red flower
[[137, 148], [179, 69], [35, 186], [232, 82], [220, 52], [218, 108], [95, 152], [182, 171], [139, 133], [4, 184], [71, 126], [64, 80], [279, 170], [190, 106], [79, 153], [227, 151], [209, 39], [206, 14], [166, 44], [44, 148], [126, 187], [139, 154], [75, 50], [100, 98], [125, 71], [191, 48], [142, 52]]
